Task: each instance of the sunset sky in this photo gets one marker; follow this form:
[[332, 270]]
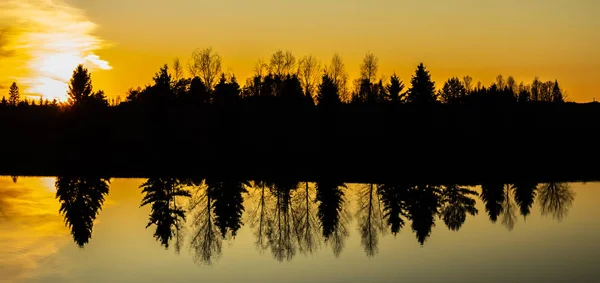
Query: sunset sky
[[124, 42]]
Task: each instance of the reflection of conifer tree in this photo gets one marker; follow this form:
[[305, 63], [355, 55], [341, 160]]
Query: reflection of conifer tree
[[493, 197], [306, 223], [206, 242], [524, 196], [228, 205], [332, 214], [165, 213], [81, 199], [456, 203], [280, 233], [556, 199], [370, 219], [14, 178], [423, 208], [394, 205], [509, 216]]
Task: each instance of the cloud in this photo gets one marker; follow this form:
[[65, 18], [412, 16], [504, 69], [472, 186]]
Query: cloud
[[53, 38], [4, 52]]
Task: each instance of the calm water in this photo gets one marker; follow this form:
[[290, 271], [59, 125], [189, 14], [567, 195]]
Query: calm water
[[299, 233]]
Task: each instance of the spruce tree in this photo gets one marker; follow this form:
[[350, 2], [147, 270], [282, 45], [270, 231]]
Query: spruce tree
[[13, 95], [422, 89]]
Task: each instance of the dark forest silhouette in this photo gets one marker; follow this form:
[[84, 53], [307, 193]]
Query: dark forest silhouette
[[296, 117], [287, 217]]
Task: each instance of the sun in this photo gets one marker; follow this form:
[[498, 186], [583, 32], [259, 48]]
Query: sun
[[54, 38], [52, 71]]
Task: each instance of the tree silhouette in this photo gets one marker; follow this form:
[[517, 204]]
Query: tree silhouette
[[228, 204], [467, 82], [305, 220], [524, 196], [166, 214], [422, 209], [535, 89], [260, 218], [206, 242], [422, 90], [370, 218], [282, 64], [206, 64], [13, 95], [81, 199], [226, 91], [280, 237], [500, 83], [555, 199], [197, 92], [337, 73], [80, 88], [395, 89], [511, 84], [308, 73], [369, 67], [395, 199], [453, 91], [509, 216], [332, 215], [456, 203], [328, 93], [493, 198], [177, 70], [557, 95]]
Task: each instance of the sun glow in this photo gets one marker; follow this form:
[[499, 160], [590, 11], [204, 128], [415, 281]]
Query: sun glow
[[54, 38]]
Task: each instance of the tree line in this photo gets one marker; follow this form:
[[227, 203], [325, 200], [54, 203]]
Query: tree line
[[301, 81]]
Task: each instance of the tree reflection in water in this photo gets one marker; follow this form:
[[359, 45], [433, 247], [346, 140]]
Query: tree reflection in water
[[289, 217], [555, 199]]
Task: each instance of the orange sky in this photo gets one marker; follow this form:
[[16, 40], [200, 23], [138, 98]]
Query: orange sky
[[125, 42]]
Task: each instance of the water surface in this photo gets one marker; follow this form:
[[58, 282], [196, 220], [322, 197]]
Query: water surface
[[298, 232]]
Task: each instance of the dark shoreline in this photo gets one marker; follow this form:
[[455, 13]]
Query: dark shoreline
[[353, 143]]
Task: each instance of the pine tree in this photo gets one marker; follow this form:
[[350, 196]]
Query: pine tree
[[328, 93], [395, 88], [80, 88], [557, 95], [13, 95], [453, 91], [422, 89]]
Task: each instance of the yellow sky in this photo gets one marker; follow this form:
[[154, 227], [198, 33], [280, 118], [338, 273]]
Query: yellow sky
[[552, 39]]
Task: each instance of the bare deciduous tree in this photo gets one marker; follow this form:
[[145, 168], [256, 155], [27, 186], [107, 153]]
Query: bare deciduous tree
[[205, 64], [369, 67], [261, 68], [281, 63], [337, 72], [511, 84], [308, 72], [500, 83], [468, 83], [177, 70]]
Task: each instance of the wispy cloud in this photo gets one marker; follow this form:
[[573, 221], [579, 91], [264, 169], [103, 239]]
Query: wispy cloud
[[53, 38]]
